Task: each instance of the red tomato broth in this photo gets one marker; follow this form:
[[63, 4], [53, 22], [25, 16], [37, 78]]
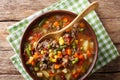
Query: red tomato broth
[[74, 71]]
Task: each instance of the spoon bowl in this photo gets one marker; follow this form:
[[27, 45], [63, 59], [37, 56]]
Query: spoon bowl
[[57, 34]]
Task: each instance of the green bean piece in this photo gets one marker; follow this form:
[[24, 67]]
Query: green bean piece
[[55, 51], [42, 22], [28, 52], [63, 46]]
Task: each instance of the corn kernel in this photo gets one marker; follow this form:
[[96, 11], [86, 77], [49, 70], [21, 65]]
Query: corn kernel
[[59, 52], [50, 50], [56, 56], [42, 52], [50, 54], [53, 60], [76, 41], [61, 41], [34, 44]]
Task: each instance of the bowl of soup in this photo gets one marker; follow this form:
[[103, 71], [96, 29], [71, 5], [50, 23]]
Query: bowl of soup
[[71, 57]]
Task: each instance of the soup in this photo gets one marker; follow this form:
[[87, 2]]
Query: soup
[[67, 58]]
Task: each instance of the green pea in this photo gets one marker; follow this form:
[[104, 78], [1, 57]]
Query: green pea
[[36, 68]]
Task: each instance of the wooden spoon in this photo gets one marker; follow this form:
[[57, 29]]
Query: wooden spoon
[[57, 34]]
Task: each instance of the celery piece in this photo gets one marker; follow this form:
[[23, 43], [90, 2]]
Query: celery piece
[[39, 74]]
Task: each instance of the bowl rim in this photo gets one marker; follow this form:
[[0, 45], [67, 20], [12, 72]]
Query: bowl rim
[[49, 13]]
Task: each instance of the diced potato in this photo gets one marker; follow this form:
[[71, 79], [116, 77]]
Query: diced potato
[[65, 70], [68, 76], [46, 74], [44, 30], [85, 56], [85, 45], [58, 71], [61, 41], [30, 38], [91, 44], [42, 52], [47, 21], [39, 74]]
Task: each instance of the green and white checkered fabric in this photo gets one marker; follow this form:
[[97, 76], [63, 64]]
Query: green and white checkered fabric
[[107, 50]]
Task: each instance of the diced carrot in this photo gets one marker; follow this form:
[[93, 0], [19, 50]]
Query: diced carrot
[[31, 61], [68, 51], [40, 55], [81, 57], [66, 24], [45, 26], [89, 54], [76, 55], [65, 19], [80, 63], [51, 74], [36, 36], [57, 66], [78, 70], [82, 24], [75, 75], [68, 30], [59, 54], [35, 56], [32, 41], [56, 24]]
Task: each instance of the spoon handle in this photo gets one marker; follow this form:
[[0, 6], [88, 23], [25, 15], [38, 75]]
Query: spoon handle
[[91, 7]]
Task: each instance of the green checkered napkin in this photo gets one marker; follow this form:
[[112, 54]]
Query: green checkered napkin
[[107, 50]]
